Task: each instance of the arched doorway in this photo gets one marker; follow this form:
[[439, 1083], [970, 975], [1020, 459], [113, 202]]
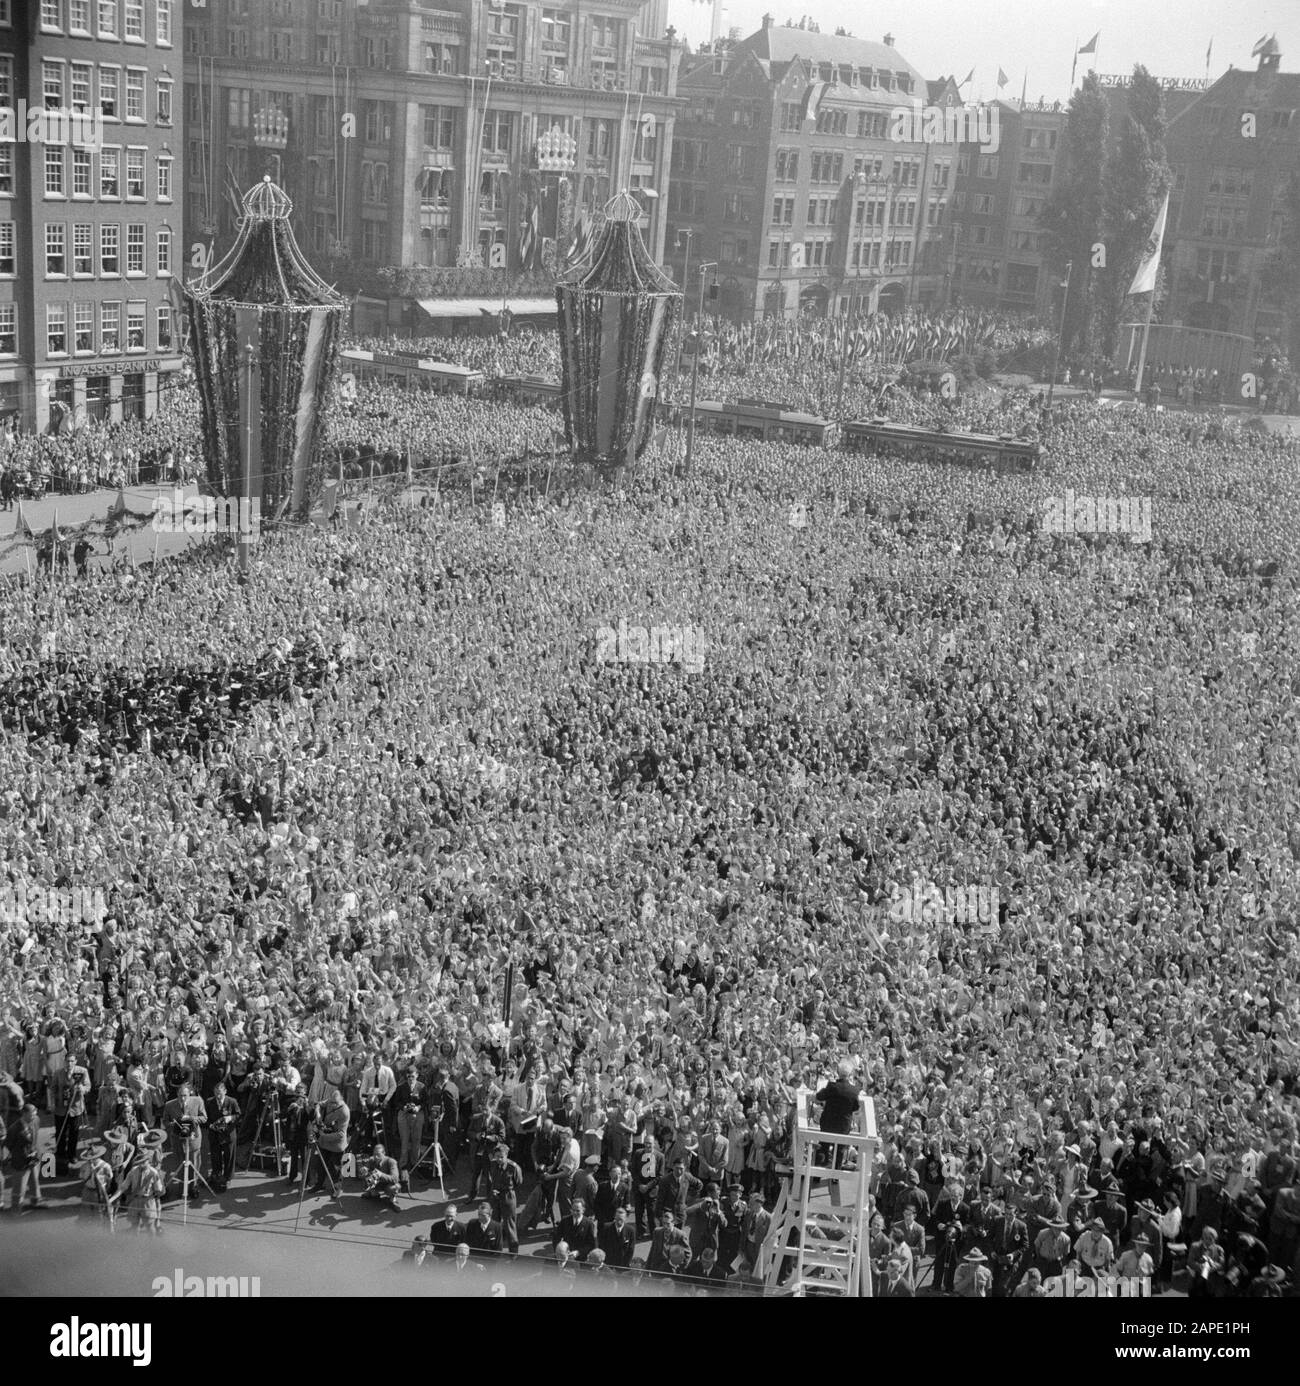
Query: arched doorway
[[892, 298], [774, 301]]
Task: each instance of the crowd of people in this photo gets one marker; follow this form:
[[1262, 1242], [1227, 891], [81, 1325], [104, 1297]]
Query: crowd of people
[[604, 917]]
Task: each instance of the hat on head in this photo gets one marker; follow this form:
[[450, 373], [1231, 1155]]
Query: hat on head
[[592, 1160], [116, 1135], [90, 1150], [975, 1255], [152, 1140]]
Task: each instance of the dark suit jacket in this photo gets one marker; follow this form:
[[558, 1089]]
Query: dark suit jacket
[[444, 1238], [581, 1236], [839, 1103], [481, 1238], [1009, 1241], [619, 1247]]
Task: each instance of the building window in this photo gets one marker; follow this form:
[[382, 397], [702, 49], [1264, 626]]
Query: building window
[[8, 329], [373, 240], [135, 248], [52, 84], [110, 169], [988, 166], [7, 263], [164, 178], [79, 16], [163, 101], [83, 328], [109, 238], [135, 173], [6, 81], [83, 250], [6, 170], [52, 15], [53, 170], [439, 127], [108, 19], [163, 22], [164, 250], [81, 173], [81, 75], [55, 249], [135, 93], [135, 326], [110, 327], [109, 82], [56, 329], [164, 320], [378, 122], [787, 165], [6, 14], [555, 27], [133, 15]]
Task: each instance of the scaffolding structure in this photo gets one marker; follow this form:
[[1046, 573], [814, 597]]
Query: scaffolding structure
[[818, 1243]]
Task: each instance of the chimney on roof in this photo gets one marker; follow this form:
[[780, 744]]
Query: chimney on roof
[[889, 40], [768, 21]]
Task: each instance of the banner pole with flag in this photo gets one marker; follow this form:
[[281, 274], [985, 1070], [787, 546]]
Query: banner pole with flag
[[1144, 282]]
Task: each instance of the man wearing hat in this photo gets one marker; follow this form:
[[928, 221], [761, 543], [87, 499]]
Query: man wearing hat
[[973, 1280], [1095, 1250], [1112, 1212], [69, 1104], [504, 1179], [1146, 1222], [1135, 1261], [146, 1184], [1051, 1247], [98, 1181], [729, 1237]]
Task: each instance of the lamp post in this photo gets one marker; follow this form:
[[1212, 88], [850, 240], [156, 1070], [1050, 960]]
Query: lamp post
[[695, 365], [1060, 331], [686, 277]]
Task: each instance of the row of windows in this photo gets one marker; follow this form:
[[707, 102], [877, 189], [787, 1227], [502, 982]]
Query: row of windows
[[74, 170], [82, 257], [817, 253], [82, 323], [105, 19], [121, 92]]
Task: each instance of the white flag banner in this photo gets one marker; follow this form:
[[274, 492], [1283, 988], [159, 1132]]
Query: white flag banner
[[1144, 281]]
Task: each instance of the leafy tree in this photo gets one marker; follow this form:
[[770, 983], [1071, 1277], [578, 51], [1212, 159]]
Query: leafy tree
[[1134, 185], [1072, 218]]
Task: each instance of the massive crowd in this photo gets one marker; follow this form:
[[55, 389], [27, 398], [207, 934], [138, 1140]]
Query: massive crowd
[[603, 917]]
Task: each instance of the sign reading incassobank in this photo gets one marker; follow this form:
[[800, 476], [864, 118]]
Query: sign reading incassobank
[[51, 125]]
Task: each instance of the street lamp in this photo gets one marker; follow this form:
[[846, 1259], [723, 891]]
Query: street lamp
[[1060, 330], [695, 364], [686, 276]]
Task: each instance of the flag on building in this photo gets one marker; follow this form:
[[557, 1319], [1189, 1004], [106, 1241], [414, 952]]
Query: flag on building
[[1259, 47], [969, 78], [1144, 281], [1003, 79], [22, 528], [1091, 45], [812, 99]]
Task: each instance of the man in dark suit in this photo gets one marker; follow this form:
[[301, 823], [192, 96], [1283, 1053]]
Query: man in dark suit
[[706, 1270], [223, 1118], [1010, 1241], [578, 1228], [447, 1235], [677, 1190], [730, 1235], [618, 1240], [484, 1233], [409, 1103], [667, 1234], [895, 1284]]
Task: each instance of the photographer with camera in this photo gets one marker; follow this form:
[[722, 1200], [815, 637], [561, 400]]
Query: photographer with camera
[[184, 1120], [410, 1101], [295, 1128], [223, 1118], [383, 1178], [331, 1128], [255, 1089]]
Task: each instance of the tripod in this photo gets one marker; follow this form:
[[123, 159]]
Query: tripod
[[262, 1150], [433, 1151], [314, 1153], [187, 1170]]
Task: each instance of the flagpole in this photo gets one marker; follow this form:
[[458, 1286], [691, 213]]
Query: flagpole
[[1142, 355], [1074, 66]]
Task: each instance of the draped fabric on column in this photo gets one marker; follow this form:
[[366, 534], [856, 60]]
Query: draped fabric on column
[[298, 319], [617, 309]]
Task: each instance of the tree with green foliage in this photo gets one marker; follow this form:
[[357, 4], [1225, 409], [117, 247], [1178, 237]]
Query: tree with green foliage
[[1073, 216], [1134, 185]]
